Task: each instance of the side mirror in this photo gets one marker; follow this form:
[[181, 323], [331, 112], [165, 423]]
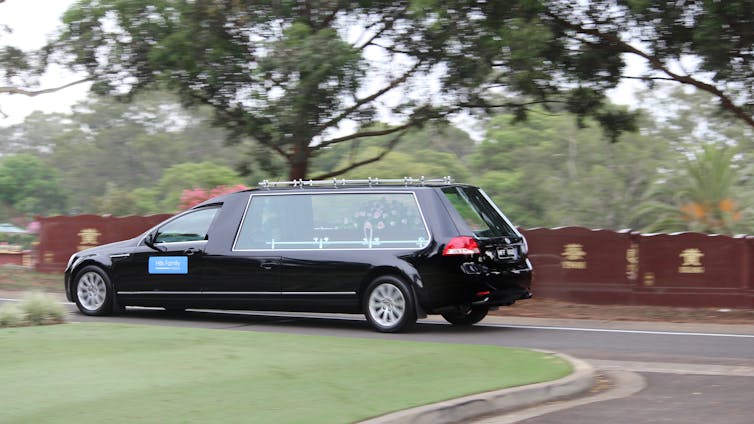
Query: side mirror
[[149, 240]]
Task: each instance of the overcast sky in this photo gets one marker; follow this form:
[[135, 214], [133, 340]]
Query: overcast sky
[[33, 21]]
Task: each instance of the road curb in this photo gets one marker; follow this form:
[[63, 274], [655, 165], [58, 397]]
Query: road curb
[[498, 401]]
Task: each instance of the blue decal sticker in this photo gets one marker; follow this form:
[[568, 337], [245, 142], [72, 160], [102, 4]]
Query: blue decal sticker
[[168, 265]]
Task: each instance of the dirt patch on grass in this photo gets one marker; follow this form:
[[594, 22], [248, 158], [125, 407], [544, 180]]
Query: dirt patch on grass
[[550, 308], [15, 278]]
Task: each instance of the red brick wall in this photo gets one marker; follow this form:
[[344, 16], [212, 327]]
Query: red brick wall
[[62, 236], [571, 263], [608, 267]]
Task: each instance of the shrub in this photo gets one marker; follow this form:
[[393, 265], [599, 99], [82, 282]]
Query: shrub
[[10, 315], [36, 308], [39, 308]]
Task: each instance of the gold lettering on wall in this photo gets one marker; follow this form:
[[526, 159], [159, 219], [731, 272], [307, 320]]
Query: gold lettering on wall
[[574, 256], [691, 261], [632, 262], [649, 279], [89, 238]]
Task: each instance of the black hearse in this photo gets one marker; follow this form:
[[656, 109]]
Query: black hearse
[[394, 250]]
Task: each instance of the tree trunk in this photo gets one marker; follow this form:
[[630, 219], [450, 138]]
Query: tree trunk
[[299, 163]]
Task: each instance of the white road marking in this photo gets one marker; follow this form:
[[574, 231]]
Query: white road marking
[[611, 330]]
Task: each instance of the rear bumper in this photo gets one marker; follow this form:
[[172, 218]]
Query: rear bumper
[[501, 298], [502, 289], [479, 286]]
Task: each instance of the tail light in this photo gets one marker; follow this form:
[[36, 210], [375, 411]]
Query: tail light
[[463, 245]]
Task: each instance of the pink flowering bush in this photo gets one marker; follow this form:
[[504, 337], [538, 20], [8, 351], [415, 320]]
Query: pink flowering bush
[[192, 197]]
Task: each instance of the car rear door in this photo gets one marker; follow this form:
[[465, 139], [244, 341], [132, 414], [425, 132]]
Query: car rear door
[[242, 267]]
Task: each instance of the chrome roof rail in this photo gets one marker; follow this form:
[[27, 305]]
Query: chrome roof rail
[[371, 182]]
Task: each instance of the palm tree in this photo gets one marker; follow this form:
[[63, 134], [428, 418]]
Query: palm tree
[[706, 201]]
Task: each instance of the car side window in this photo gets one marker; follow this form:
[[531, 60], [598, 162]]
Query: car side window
[[192, 226], [333, 221]]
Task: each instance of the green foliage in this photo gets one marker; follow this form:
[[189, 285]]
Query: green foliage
[[269, 72], [705, 200], [716, 32], [39, 308], [294, 76], [548, 172], [508, 190], [10, 315], [36, 308], [432, 151], [29, 186], [108, 150], [24, 240], [206, 175], [428, 163], [712, 164], [13, 61], [121, 202]]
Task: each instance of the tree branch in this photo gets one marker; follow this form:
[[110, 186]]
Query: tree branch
[[374, 133], [355, 165], [485, 105], [326, 22], [388, 23], [648, 78], [361, 102], [392, 49], [33, 93], [655, 63], [372, 38]]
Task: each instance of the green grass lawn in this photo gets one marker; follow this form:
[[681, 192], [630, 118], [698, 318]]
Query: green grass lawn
[[88, 373]]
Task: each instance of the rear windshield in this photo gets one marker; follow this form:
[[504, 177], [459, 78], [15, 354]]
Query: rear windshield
[[484, 219]]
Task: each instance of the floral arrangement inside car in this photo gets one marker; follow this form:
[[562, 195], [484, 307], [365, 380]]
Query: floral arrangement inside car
[[383, 220]]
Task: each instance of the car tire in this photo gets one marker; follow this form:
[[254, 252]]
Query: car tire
[[389, 305], [93, 291], [466, 315]]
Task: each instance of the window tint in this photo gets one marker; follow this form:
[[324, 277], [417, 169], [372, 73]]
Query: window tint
[[333, 221], [482, 217], [190, 227]]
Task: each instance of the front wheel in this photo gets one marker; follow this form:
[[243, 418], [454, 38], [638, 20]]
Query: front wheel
[[389, 305], [465, 315], [93, 291]]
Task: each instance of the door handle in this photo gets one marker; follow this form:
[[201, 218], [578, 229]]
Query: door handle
[[267, 265], [191, 251]]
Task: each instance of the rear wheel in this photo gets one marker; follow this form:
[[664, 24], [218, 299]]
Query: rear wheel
[[465, 314], [93, 291], [389, 305]]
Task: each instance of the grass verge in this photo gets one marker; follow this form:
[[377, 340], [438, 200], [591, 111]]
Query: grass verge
[[36, 308], [14, 278], [126, 373]]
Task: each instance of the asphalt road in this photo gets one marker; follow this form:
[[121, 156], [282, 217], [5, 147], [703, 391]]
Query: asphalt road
[[703, 374]]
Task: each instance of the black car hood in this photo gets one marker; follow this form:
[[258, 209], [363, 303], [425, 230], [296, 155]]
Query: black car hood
[[111, 247]]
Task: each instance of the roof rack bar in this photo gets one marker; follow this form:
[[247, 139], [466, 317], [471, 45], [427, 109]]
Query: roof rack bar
[[371, 182]]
